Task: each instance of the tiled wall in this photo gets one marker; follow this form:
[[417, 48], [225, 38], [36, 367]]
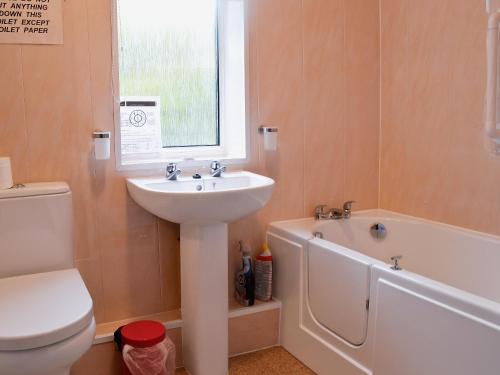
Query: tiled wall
[[433, 162], [315, 75], [307, 81], [307, 78]]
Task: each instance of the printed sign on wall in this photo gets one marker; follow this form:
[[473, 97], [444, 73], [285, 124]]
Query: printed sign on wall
[[140, 124], [31, 22]]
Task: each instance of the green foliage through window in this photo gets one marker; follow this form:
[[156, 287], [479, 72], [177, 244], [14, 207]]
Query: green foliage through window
[[168, 48]]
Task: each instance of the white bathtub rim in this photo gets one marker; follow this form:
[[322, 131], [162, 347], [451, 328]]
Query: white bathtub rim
[[305, 232]]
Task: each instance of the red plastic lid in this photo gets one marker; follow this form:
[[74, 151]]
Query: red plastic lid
[[143, 333]]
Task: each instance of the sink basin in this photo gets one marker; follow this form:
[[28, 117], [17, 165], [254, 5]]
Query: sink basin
[[204, 207], [203, 201]]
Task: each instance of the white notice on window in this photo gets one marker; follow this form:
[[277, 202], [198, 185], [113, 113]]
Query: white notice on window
[[140, 124]]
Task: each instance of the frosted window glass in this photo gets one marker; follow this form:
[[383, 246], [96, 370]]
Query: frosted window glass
[[168, 48]]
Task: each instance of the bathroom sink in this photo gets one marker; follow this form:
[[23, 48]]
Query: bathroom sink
[[203, 207], [208, 200]]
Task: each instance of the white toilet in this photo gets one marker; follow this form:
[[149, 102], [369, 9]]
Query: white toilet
[[46, 317]]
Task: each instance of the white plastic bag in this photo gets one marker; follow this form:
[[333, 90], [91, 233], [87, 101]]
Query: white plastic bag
[[155, 360]]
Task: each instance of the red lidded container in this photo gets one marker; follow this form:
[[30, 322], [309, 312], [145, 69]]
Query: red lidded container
[[142, 334]]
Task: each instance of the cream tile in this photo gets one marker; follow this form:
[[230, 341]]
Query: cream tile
[[324, 102], [169, 253], [101, 359], [131, 285], [362, 93], [13, 132], [123, 226], [100, 53], [280, 101], [91, 274], [57, 100], [252, 332], [395, 96], [433, 160]]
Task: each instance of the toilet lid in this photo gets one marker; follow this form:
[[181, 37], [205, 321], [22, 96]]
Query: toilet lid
[[42, 309]]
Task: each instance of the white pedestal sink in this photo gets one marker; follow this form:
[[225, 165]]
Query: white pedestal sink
[[203, 207]]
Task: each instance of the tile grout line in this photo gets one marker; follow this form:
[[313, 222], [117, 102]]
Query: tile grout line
[[344, 100], [304, 203], [379, 192], [25, 121], [92, 105]]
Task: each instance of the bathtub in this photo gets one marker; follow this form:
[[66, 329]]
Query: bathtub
[[346, 311]]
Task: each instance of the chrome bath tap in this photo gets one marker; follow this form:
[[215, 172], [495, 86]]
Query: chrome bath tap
[[333, 213], [319, 213], [347, 208]]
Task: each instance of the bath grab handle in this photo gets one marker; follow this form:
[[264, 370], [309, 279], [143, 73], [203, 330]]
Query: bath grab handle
[[396, 259]]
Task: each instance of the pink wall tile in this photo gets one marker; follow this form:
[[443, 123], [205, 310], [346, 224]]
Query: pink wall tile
[[433, 163], [91, 272], [362, 103], [325, 130], [131, 285], [13, 132], [253, 332], [55, 96], [280, 100], [170, 258]]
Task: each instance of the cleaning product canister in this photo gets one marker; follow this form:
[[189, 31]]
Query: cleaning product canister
[[264, 275], [245, 281]]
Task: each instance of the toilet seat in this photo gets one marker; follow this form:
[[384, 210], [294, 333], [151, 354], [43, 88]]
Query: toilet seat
[[42, 309], [55, 359]]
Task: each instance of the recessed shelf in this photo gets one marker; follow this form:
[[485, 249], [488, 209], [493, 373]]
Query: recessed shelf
[[173, 319]]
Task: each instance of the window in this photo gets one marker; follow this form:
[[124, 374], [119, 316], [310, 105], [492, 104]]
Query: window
[[182, 81]]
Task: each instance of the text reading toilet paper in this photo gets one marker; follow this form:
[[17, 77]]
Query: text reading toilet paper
[[31, 22]]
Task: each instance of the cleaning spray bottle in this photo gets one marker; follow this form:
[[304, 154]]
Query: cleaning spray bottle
[[264, 275], [245, 281]]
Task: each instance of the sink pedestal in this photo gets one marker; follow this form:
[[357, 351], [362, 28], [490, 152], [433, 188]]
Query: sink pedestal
[[201, 206], [204, 298]]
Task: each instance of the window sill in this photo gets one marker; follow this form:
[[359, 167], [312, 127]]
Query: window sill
[[153, 165]]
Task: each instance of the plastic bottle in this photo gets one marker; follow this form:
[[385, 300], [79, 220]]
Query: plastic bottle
[[245, 281], [264, 275]]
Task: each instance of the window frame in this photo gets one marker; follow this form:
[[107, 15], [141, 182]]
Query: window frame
[[188, 156]]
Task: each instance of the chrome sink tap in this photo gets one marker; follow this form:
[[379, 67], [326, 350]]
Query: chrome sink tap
[[172, 172], [216, 169]]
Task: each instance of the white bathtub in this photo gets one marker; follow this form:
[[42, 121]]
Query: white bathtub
[[345, 311]]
